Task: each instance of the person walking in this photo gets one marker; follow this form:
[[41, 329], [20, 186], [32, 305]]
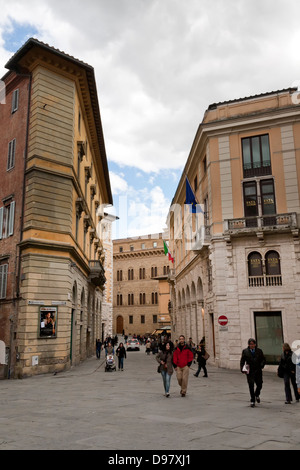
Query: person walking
[[201, 353], [98, 348], [121, 354], [165, 359], [182, 360], [254, 360], [289, 373]]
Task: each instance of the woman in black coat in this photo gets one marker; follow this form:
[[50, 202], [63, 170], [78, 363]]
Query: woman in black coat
[[200, 351], [289, 373], [121, 353]]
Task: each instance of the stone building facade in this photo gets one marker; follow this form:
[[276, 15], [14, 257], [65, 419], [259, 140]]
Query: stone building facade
[[56, 185], [140, 264], [237, 270]]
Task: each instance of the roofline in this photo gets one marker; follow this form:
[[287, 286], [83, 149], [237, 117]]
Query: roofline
[[252, 97]]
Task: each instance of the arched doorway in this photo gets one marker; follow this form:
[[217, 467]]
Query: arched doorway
[[120, 325]]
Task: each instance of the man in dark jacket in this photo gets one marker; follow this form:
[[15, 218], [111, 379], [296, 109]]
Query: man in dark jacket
[[182, 360], [255, 359]]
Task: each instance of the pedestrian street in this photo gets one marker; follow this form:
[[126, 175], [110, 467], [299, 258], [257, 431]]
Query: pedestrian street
[[87, 408]]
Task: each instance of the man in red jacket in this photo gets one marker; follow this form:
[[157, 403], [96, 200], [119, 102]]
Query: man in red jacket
[[182, 360]]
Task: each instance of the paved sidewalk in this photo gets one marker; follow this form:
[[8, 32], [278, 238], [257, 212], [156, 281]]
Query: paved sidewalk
[[89, 409]]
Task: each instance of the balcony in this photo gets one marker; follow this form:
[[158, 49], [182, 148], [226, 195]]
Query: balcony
[[97, 273], [264, 223], [265, 280]]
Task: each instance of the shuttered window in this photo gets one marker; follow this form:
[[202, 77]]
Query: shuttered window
[[3, 280], [11, 154], [7, 219], [15, 101]]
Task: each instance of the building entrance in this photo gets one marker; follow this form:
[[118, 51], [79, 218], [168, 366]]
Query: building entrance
[[120, 325], [269, 335]]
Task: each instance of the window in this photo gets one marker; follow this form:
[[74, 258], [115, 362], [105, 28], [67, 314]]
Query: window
[[142, 273], [154, 271], [268, 201], [143, 246], [15, 101], [166, 270], [3, 280], [264, 272], [154, 318], [204, 164], [256, 156], [7, 217], [131, 248], [130, 274], [119, 299], [259, 200], [120, 275], [142, 298], [154, 244], [11, 154], [195, 183], [120, 249], [130, 299], [273, 269], [154, 298], [255, 270], [142, 318], [130, 319]]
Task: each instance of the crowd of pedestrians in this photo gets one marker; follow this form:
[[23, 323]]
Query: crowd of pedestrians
[[179, 357]]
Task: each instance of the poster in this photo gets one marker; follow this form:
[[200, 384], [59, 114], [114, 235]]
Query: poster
[[48, 321]]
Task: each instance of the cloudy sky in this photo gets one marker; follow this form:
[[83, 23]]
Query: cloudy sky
[[158, 66]]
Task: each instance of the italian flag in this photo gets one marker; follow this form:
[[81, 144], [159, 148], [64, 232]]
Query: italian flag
[[167, 252]]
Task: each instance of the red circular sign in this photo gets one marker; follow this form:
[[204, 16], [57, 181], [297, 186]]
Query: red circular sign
[[222, 320]]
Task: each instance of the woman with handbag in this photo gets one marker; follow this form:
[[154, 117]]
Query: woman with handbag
[[165, 360], [202, 357], [287, 369]]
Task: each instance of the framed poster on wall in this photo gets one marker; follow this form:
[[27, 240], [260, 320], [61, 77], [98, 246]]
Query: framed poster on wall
[[48, 322]]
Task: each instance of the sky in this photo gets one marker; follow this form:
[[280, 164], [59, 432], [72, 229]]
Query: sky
[[158, 65]]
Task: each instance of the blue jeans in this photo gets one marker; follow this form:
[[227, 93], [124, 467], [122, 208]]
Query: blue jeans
[[166, 380], [121, 362]]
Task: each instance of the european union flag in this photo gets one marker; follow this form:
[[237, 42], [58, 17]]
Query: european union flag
[[190, 198]]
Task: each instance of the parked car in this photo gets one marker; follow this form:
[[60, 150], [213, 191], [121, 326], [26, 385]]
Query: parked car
[[132, 344]]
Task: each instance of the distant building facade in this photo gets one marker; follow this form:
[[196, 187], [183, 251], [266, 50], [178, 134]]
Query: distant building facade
[[237, 271], [54, 185], [139, 300]]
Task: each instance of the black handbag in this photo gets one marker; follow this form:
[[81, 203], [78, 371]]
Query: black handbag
[[158, 369], [280, 372]]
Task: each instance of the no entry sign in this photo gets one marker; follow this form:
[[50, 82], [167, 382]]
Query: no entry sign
[[223, 320]]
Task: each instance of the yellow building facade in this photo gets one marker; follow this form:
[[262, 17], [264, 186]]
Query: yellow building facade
[[66, 187], [236, 272], [141, 292]]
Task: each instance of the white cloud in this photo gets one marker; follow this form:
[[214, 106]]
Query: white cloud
[[118, 184]]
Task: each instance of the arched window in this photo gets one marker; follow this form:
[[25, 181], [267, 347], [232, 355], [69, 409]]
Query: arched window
[[273, 270], [255, 269]]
